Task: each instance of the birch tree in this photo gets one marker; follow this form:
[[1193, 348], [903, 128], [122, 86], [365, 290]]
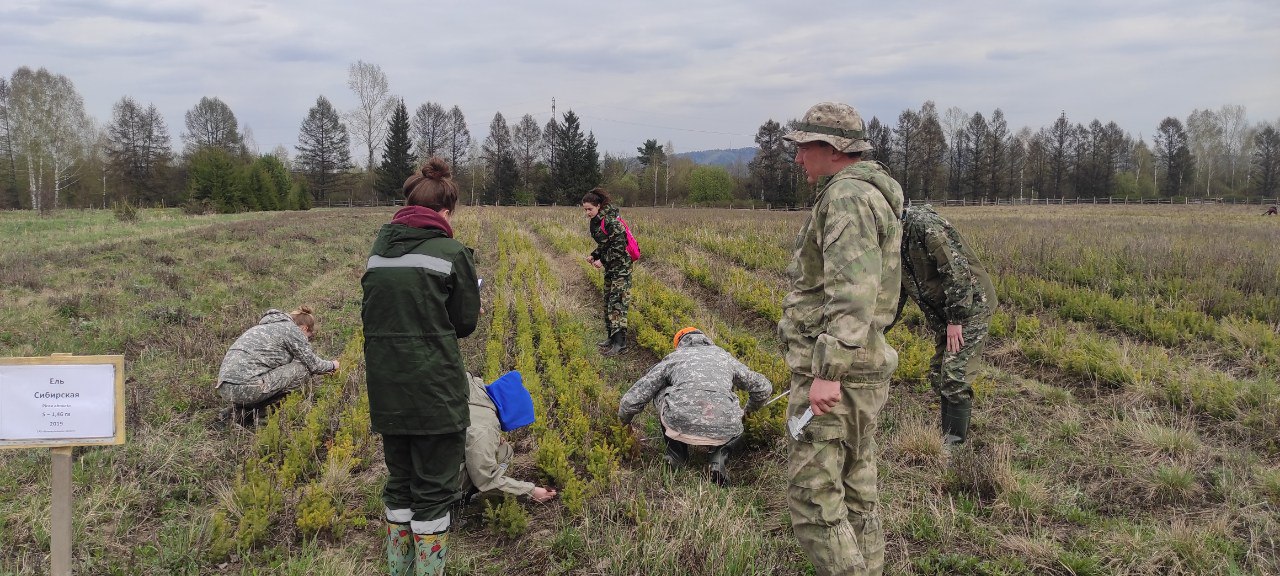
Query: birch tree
[[212, 124], [51, 131], [368, 120]]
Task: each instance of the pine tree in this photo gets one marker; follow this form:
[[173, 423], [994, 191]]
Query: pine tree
[[397, 155], [770, 170], [1266, 161], [324, 149]]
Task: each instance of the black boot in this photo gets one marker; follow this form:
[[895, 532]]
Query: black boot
[[719, 461], [677, 452], [955, 420], [617, 343]]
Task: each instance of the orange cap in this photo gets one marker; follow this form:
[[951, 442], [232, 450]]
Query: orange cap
[[675, 342]]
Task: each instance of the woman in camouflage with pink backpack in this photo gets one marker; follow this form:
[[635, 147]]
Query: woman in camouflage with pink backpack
[[615, 250]]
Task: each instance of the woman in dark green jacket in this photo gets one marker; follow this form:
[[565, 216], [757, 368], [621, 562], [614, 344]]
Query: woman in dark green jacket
[[611, 255], [421, 294]]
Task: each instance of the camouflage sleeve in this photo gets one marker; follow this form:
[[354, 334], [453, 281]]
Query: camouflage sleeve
[[958, 282], [614, 247], [642, 392], [757, 386], [302, 352], [851, 270]]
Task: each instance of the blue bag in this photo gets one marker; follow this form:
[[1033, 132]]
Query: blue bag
[[515, 405]]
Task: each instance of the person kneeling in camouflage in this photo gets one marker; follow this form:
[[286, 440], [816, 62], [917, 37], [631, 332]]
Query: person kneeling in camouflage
[[957, 297], [692, 391], [268, 361]]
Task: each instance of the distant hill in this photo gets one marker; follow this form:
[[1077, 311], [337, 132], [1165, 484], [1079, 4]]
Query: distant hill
[[720, 157]]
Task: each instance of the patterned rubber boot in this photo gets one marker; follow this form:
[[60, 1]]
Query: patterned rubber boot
[[432, 549], [399, 549]]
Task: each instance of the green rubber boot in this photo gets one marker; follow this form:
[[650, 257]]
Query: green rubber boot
[[955, 421], [432, 549], [400, 550]]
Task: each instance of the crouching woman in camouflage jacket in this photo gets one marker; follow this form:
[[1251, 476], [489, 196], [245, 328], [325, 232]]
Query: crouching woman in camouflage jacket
[[692, 391], [270, 359]]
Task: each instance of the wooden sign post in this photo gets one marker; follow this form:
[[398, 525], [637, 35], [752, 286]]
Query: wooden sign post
[[59, 402]]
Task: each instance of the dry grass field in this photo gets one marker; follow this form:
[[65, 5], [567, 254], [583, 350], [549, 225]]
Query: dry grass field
[[1128, 421]]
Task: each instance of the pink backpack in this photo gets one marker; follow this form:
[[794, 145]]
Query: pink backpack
[[633, 249]]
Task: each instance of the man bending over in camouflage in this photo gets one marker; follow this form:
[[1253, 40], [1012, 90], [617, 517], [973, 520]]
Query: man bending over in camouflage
[[268, 360], [692, 391], [845, 276], [955, 293]]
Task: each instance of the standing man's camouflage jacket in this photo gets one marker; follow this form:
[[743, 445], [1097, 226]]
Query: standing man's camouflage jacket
[[941, 272], [272, 343], [692, 389], [845, 279]]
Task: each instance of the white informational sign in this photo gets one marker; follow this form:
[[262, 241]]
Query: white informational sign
[[58, 401]]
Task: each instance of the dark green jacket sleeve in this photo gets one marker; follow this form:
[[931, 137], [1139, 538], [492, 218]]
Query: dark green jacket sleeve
[[464, 300]]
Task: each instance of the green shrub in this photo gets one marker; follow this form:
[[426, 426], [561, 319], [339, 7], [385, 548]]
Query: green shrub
[[508, 519], [125, 212]]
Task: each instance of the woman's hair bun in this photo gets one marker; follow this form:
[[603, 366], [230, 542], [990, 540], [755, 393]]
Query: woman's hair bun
[[436, 169], [304, 309]]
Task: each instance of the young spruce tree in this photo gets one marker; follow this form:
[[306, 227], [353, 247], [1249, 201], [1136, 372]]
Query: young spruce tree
[[398, 162]]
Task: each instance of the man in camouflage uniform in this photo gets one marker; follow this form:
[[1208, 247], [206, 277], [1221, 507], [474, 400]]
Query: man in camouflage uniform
[[270, 359], [692, 391], [845, 284], [957, 297]]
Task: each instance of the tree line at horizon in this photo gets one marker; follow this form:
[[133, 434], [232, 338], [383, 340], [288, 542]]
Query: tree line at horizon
[[54, 155]]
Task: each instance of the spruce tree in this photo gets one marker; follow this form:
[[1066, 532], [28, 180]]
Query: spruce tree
[[324, 148], [575, 163], [398, 162]]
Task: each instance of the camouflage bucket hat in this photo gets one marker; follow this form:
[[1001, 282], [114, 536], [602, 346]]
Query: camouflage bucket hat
[[836, 124]]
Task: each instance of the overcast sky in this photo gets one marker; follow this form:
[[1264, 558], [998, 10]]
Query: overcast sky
[[700, 74]]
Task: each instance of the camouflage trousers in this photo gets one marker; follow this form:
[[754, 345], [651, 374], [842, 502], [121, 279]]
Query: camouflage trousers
[[617, 298], [286, 378], [832, 469], [952, 374]]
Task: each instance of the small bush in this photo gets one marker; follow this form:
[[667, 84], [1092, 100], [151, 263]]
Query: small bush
[[125, 212], [508, 519], [195, 207], [316, 511]]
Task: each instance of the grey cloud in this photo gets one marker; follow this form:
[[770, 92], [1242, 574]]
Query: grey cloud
[[150, 12]]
